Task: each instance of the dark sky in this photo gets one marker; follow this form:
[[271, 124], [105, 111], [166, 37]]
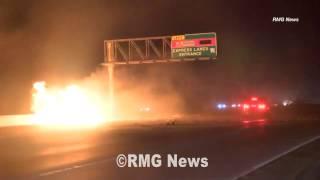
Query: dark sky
[[60, 41]]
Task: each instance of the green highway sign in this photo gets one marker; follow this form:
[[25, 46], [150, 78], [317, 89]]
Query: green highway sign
[[194, 46]]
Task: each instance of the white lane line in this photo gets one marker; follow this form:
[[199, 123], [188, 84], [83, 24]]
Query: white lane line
[[49, 173], [260, 165]]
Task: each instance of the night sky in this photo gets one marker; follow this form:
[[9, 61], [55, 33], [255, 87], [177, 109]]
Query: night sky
[[61, 41]]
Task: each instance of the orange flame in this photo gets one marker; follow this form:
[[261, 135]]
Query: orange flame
[[71, 106]]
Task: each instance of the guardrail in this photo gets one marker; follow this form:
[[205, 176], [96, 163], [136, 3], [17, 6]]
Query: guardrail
[[15, 120]]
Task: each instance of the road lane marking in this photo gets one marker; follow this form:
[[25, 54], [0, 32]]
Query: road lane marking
[[57, 171], [92, 163], [260, 165], [65, 149]]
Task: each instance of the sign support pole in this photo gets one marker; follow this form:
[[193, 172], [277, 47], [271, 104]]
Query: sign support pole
[[110, 78]]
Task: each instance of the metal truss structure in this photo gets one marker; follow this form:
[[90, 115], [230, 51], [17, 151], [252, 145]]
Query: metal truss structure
[[141, 51]]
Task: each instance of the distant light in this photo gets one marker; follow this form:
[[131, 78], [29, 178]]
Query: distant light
[[233, 105], [145, 109], [246, 106], [254, 99], [262, 106], [221, 106], [239, 105], [286, 102]]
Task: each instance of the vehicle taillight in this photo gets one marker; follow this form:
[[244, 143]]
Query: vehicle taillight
[[246, 106], [262, 106]]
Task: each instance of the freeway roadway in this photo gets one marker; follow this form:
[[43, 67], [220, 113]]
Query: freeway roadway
[[233, 149]]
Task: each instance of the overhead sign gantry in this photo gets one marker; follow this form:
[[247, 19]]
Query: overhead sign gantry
[[161, 49]]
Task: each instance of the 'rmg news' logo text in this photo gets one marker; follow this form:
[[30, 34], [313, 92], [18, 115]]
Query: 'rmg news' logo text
[[285, 19], [156, 160]]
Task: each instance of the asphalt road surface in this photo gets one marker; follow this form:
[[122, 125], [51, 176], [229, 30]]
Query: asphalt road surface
[[233, 149]]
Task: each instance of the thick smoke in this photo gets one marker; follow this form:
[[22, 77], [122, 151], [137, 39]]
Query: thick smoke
[[148, 94], [62, 41], [47, 40]]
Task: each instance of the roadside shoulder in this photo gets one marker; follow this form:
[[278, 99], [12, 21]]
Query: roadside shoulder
[[301, 164]]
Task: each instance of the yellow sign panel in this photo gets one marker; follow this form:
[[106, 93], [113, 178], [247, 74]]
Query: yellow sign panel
[[177, 38]]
